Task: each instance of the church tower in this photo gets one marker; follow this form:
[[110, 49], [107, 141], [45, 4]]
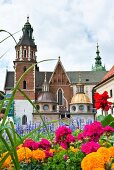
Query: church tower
[[98, 63], [25, 57]]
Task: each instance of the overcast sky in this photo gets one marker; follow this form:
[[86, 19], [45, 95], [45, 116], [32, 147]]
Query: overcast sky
[[66, 28]]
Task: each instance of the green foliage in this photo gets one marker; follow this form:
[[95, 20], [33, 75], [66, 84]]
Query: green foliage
[[31, 166], [108, 120], [100, 118], [58, 161]]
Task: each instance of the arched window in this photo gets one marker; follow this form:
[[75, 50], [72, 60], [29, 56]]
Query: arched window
[[24, 120], [60, 97], [24, 84], [24, 68]]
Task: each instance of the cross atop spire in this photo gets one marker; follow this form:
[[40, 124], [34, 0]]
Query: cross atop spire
[[27, 18]]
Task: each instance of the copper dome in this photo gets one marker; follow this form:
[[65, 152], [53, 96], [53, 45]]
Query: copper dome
[[46, 97], [80, 98]]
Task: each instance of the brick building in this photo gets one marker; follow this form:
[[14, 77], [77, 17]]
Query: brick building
[[52, 92]]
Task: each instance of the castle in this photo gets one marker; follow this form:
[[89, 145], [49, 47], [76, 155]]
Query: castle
[[56, 94]]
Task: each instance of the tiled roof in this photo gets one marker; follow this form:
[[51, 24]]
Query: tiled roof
[[87, 77], [109, 74]]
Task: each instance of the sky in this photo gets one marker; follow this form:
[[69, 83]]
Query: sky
[[66, 28]]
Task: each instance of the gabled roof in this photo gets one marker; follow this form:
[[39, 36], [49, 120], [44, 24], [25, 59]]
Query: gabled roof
[[59, 62]]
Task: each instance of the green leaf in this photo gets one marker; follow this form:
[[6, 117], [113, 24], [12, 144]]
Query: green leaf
[[100, 118], [107, 120], [112, 124]]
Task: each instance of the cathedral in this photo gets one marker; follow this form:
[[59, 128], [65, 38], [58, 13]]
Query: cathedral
[[58, 94]]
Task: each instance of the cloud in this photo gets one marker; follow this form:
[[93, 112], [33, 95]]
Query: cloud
[[66, 28]]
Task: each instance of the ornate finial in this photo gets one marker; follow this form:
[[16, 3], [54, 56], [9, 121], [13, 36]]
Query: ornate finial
[[59, 58], [27, 18], [97, 48]]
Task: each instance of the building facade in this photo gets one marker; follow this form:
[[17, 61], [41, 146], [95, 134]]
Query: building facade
[[52, 92]]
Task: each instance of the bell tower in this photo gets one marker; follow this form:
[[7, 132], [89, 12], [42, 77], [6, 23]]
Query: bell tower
[[25, 57]]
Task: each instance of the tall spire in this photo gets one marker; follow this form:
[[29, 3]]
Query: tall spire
[[98, 63]]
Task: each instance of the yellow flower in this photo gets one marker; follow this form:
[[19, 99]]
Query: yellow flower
[[112, 151], [74, 149], [7, 162], [105, 152], [38, 154], [24, 154], [52, 150], [112, 166], [92, 161]]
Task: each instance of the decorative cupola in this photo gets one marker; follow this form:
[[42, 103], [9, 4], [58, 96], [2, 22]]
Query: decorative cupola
[[45, 86], [98, 63], [26, 48], [80, 102]]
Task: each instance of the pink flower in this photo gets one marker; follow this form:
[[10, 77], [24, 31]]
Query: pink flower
[[108, 129], [70, 138], [48, 154], [93, 131], [45, 144], [90, 147], [35, 145], [65, 157], [64, 136], [28, 143], [80, 136], [61, 133]]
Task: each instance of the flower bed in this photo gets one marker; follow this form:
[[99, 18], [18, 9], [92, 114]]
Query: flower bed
[[90, 149]]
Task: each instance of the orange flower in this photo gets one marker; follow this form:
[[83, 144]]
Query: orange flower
[[92, 161], [7, 162], [105, 153], [24, 154], [98, 169], [112, 151], [38, 154]]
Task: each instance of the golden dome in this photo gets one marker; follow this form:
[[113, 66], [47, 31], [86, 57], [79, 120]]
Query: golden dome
[[80, 98]]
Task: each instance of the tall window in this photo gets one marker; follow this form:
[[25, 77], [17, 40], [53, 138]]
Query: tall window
[[24, 84], [110, 93], [24, 68], [31, 54], [24, 120], [17, 54], [25, 53], [60, 97]]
